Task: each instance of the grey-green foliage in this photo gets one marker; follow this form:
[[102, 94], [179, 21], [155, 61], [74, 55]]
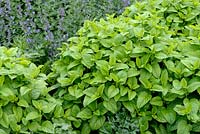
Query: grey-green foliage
[[39, 27], [120, 123]]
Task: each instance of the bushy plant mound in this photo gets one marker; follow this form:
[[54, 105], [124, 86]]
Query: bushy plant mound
[[146, 60], [25, 104]]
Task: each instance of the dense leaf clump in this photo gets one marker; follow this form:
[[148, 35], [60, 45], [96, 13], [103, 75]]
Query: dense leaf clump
[[25, 104], [146, 60]]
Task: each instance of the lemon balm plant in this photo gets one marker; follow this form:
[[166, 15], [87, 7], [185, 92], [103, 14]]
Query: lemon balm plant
[[146, 60], [25, 104]]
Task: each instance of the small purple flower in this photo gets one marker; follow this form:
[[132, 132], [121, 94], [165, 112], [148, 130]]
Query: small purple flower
[[37, 30], [29, 30], [126, 3], [19, 10], [65, 36], [8, 35], [8, 5], [46, 25], [62, 12], [28, 5], [60, 25], [28, 40], [1, 11], [49, 36]]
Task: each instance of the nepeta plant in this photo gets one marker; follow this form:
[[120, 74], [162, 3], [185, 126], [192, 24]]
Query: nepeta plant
[[44, 25]]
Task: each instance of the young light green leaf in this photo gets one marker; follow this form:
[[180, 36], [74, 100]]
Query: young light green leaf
[[86, 113], [85, 129], [129, 105], [133, 72], [169, 115], [143, 98], [7, 93], [157, 101], [34, 126], [74, 91], [75, 110], [144, 124], [18, 112], [112, 60], [99, 91], [156, 69], [164, 77], [14, 126], [133, 83], [23, 103], [131, 95], [103, 66], [32, 115], [110, 105], [183, 83], [149, 68], [2, 131], [144, 60], [122, 75], [96, 122], [87, 60], [112, 91], [139, 32], [59, 112], [77, 123], [87, 100], [123, 90], [106, 43], [90, 91], [129, 45], [183, 110], [47, 127], [177, 84], [193, 86], [120, 66], [2, 78], [114, 77], [4, 120], [183, 127], [147, 84], [48, 107]]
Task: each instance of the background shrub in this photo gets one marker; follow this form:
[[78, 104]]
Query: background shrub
[[146, 60], [39, 27]]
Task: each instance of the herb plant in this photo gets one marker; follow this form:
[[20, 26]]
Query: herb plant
[[120, 123], [146, 60], [25, 104], [42, 26]]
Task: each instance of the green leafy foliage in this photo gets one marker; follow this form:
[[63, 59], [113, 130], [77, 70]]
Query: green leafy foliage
[[143, 64], [25, 103], [120, 123], [146, 61]]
